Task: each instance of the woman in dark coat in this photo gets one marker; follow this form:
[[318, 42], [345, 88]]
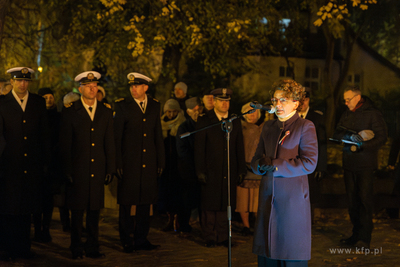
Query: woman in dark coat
[[286, 153]]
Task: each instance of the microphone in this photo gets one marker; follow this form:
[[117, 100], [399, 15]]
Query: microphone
[[270, 109]]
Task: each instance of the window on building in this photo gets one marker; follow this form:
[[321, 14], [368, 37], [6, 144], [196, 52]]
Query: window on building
[[312, 78], [354, 79], [285, 71]]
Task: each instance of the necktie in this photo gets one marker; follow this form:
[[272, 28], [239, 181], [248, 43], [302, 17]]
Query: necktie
[[302, 116], [90, 109], [22, 100], [142, 105]]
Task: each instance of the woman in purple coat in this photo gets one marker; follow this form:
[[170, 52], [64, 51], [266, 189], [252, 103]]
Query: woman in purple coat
[[286, 153]]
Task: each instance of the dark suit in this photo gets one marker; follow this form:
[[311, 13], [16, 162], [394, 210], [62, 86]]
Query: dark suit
[[88, 154], [318, 119], [25, 151], [140, 152], [211, 160]]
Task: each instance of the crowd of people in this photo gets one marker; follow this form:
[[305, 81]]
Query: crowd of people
[[272, 164]]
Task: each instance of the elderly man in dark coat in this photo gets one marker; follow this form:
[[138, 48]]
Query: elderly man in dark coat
[[212, 168], [186, 166], [286, 154], [88, 155], [140, 159], [24, 151], [363, 124]]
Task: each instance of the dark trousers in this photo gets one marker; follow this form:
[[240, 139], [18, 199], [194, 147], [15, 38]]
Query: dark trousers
[[134, 229], [15, 234], [64, 217], [267, 262], [190, 201], [42, 220], [92, 229], [214, 225], [359, 189]]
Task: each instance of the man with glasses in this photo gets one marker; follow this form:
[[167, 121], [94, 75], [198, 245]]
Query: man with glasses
[[364, 126]]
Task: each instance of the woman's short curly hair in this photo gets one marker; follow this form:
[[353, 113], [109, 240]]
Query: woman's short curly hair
[[291, 89]]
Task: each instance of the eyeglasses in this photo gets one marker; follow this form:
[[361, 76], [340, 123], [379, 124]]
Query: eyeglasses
[[283, 100], [347, 100]]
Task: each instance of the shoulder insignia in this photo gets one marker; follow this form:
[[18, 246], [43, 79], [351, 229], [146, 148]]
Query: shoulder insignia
[[119, 100], [107, 105], [202, 114], [319, 112], [156, 100], [68, 105]]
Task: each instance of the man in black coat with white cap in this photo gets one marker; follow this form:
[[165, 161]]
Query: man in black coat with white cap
[[140, 159], [24, 153], [88, 156]]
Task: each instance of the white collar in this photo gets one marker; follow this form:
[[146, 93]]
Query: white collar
[[144, 103], [288, 116], [24, 99]]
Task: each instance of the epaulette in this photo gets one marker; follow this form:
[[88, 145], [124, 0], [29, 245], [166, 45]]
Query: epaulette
[[68, 105], [119, 100], [202, 114], [319, 112], [107, 105], [156, 100]]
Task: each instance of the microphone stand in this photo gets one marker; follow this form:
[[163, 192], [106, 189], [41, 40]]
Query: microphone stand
[[227, 127]]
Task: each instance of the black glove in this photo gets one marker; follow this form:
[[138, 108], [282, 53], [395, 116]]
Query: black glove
[[202, 177], [356, 138], [159, 171], [109, 178], [119, 174], [267, 168], [241, 179], [68, 179], [265, 164]]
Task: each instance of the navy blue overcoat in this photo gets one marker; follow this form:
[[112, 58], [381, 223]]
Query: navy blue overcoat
[[283, 226]]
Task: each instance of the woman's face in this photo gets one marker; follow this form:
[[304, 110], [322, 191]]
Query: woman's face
[[283, 105], [172, 113]]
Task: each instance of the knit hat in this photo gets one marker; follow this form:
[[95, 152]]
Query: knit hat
[[45, 91], [192, 102], [182, 86], [171, 104]]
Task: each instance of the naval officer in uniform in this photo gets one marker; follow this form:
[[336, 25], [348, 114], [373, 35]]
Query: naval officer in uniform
[[140, 160], [24, 153], [88, 152]]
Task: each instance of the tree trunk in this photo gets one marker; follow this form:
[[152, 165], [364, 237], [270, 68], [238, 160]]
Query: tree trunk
[[169, 72], [327, 83], [4, 6]]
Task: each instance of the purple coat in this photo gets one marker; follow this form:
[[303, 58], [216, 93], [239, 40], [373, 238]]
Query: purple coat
[[283, 226]]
